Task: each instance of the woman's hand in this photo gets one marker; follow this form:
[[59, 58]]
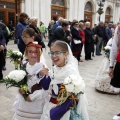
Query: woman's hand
[[111, 72], [44, 71]]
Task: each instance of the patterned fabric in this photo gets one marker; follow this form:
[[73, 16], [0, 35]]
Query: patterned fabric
[[75, 116], [118, 32]]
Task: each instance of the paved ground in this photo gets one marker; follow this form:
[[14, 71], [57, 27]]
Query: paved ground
[[101, 106]]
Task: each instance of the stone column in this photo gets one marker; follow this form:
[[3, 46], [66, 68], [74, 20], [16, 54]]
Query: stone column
[[22, 6], [71, 9]]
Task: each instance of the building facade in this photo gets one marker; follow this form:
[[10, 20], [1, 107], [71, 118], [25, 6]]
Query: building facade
[[9, 10], [45, 10]]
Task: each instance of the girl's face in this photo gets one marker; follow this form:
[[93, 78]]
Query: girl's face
[[58, 56], [26, 38], [32, 54]]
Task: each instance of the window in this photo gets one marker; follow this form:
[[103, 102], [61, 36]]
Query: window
[[58, 2], [108, 11], [88, 7], [2, 16], [7, 5]]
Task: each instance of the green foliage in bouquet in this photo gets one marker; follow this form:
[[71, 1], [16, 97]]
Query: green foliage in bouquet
[[14, 56]]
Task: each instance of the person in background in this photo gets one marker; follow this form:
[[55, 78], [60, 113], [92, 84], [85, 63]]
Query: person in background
[[50, 27], [61, 33], [82, 34], [57, 24], [4, 31], [2, 47], [76, 48], [42, 29], [108, 32], [89, 41], [100, 32], [22, 24], [33, 25]]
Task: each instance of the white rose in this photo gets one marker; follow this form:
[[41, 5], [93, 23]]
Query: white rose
[[69, 87], [76, 79], [67, 80], [17, 75], [79, 88], [107, 47]]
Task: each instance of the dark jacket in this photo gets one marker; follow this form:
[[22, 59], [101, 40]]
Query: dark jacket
[[4, 30], [89, 41], [108, 33], [37, 36], [2, 40], [100, 31], [19, 29], [55, 26], [59, 34], [76, 48]]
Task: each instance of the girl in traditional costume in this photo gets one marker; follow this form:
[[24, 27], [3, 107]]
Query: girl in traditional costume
[[114, 72], [32, 107], [62, 107], [102, 81]]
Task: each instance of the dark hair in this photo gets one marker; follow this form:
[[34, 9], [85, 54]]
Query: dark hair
[[74, 22], [22, 16], [61, 44], [64, 24], [29, 31], [82, 21]]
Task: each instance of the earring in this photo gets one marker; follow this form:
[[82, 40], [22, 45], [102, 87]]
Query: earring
[[66, 60]]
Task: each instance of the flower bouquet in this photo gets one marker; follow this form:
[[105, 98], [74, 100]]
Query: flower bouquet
[[17, 78], [72, 86], [14, 56], [107, 50]]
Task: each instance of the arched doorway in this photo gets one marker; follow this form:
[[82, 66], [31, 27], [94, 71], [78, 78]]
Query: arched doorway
[[58, 9], [88, 13], [108, 15]]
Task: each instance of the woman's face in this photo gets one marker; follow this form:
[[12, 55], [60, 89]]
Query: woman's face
[[58, 56], [32, 54], [34, 23], [26, 38], [88, 26]]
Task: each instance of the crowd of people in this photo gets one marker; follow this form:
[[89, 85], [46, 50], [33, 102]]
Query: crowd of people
[[66, 41]]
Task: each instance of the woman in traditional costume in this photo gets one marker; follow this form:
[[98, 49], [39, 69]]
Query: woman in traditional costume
[[114, 72], [102, 81]]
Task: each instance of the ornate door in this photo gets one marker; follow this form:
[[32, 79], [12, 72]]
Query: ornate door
[[57, 9], [108, 15], [88, 13]]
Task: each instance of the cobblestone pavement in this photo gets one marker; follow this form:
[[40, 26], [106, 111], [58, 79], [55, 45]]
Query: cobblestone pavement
[[100, 106]]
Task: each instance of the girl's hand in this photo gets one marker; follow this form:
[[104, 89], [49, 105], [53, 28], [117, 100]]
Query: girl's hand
[[2, 47], [22, 92], [44, 71], [28, 99], [19, 61], [111, 72]]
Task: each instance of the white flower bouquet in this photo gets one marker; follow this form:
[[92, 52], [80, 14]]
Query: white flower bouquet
[[14, 56], [16, 78], [72, 86], [107, 50]]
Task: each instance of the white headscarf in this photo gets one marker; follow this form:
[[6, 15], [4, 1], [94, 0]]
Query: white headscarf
[[60, 73]]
